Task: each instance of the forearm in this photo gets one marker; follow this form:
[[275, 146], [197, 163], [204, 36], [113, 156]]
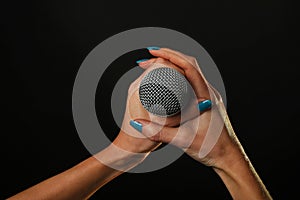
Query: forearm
[[242, 181], [237, 172], [78, 182], [84, 179]]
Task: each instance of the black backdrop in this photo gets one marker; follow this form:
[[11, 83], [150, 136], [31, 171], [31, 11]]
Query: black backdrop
[[254, 45]]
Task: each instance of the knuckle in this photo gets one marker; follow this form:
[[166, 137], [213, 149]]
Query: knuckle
[[156, 137], [193, 60], [160, 60], [162, 135], [130, 87]]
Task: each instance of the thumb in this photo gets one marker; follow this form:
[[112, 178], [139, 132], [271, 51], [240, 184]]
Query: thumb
[[155, 132]]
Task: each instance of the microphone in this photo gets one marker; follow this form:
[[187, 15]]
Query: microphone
[[164, 91]]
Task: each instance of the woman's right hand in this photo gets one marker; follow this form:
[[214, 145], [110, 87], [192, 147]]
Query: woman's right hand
[[204, 137], [208, 137]]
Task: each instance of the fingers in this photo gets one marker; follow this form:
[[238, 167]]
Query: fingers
[[154, 132], [145, 63], [191, 59], [149, 63], [189, 67], [173, 57], [181, 136]]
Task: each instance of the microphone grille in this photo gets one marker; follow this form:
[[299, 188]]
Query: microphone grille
[[163, 91]]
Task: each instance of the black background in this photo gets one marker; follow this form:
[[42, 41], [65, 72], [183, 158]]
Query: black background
[[253, 43]]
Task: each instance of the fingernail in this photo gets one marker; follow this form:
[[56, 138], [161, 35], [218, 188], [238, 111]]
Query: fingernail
[[137, 126], [204, 105], [153, 48], [142, 60]]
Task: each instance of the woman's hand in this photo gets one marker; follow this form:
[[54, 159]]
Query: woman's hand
[[130, 147], [197, 136], [208, 137]]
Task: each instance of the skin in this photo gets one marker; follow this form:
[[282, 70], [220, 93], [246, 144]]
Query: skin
[[130, 147], [227, 157]]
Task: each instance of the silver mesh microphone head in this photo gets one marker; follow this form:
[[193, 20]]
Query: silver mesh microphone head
[[164, 91]]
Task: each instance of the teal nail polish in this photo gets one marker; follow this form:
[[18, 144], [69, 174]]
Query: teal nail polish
[[204, 105], [142, 60], [153, 48], [137, 126]]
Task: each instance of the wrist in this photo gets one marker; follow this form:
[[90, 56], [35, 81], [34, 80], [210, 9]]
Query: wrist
[[238, 174], [230, 155], [119, 159]]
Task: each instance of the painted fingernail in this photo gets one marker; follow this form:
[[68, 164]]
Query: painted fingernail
[[142, 60], [153, 48], [204, 105], [137, 126]]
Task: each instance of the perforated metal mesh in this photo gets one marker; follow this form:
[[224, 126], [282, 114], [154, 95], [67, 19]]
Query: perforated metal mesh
[[163, 91]]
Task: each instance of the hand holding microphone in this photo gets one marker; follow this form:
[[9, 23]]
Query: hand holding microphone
[[208, 137], [163, 107], [165, 92]]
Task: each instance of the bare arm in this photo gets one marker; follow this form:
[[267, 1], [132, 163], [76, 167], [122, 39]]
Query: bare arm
[[214, 141], [237, 172], [80, 181], [83, 180]]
